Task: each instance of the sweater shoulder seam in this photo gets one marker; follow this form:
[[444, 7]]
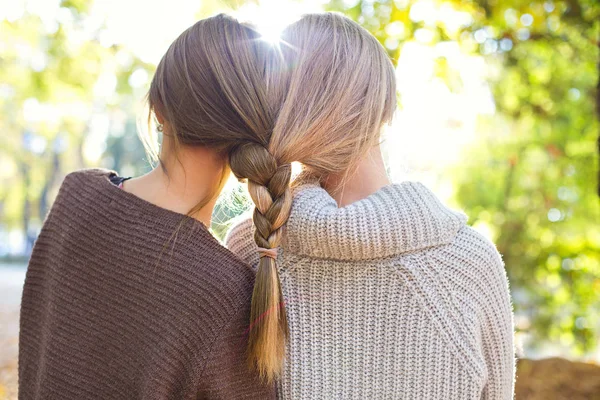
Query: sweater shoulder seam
[[229, 320], [465, 359]]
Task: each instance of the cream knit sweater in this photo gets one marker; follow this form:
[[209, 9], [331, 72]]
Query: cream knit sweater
[[391, 297]]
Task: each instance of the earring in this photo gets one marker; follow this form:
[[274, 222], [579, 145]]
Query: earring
[[159, 127]]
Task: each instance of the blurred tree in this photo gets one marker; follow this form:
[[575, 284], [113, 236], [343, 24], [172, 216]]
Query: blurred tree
[[544, 207], [58, 84], [529, 177]]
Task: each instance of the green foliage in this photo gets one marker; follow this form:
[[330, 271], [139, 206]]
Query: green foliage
[[530, 175], [48, 105]]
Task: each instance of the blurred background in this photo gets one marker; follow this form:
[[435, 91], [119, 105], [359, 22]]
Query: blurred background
[[498, 114]]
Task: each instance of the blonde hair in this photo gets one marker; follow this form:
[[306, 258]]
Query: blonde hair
[[320, 97]]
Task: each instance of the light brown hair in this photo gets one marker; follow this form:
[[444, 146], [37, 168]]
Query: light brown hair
[[319, 97]]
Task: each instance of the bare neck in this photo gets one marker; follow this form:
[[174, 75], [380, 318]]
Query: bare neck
[[368, 178], [183, 183]]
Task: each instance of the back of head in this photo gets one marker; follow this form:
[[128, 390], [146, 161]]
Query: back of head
[[340, 92], [319, 97]]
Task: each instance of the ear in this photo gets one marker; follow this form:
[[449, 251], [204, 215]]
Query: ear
[[159, 117]]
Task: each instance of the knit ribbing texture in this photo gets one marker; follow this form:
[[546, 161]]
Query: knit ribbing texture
[[391, 297], [117, 307]]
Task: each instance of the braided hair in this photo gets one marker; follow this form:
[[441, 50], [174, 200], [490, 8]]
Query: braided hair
[[269, 188]]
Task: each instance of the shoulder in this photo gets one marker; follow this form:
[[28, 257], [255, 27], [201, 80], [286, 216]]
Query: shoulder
[[240, 240], [462, 285], [219, 278], [226, 319], [241, 227], [469, 273], [211, 267], [470, 252], [85, 176], [213, 256], [479, 255], [474, 242], [88, 174], [77, 184], [474, 271], [77, 190], [216, 291]]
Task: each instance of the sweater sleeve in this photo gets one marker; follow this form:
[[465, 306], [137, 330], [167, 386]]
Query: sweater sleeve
[[226, 374], [498, 332], [240, 241]]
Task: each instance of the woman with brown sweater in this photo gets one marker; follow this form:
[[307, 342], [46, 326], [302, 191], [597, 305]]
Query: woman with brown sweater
[[127, 294]]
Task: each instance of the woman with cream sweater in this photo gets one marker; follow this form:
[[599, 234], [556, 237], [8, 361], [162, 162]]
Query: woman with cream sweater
[[378, 290]]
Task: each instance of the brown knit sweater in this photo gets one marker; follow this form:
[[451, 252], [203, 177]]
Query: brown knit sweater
[[114, 308]]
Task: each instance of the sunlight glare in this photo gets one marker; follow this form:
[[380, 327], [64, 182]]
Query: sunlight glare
[[271, 33], [272, 16]]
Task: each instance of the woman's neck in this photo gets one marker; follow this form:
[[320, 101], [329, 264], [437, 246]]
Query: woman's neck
[[183, 182], [369, 176]]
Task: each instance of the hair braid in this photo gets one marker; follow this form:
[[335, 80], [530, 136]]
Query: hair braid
[[268, 185]]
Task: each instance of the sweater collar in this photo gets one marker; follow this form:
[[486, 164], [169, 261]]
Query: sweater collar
[[398, 218]]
